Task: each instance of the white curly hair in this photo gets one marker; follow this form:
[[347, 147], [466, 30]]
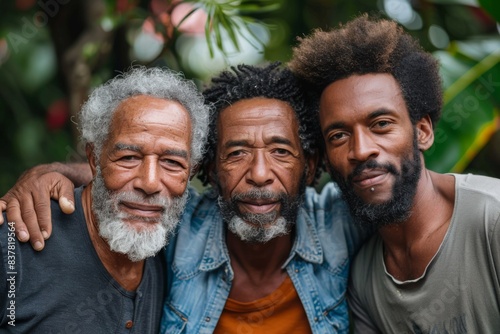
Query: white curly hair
[[98, 110]]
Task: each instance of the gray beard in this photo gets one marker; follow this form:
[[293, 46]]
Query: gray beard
[[123, 237], [254, 230], [261, 227]]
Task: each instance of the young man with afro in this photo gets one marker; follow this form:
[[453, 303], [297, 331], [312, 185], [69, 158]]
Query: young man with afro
[[434, 265]]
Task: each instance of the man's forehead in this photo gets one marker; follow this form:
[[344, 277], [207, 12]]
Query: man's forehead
[[361, 95], [123, 146], [271, 119], [144, 109], [256, 111], [145, 121]]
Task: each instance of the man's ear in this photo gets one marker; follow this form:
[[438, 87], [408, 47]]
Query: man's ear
[[425, 133], [89, 151], [311, 166]]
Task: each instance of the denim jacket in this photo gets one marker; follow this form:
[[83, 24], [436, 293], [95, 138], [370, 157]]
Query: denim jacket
[[200, 274]]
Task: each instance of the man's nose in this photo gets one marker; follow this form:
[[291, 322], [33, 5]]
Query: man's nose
[[148, 176], [260, 171], [362, 147]]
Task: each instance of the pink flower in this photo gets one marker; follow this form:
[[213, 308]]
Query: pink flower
[[194, 24]]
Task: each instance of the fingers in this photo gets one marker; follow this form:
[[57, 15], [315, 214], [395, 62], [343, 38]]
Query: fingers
[[3, 206], [58, 188], [28, 204], [36, 212], [37, 215], [64, 191], [25, 232], [10, 204], [66, 204]]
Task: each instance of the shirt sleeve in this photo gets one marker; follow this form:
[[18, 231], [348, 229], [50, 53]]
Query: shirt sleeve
[[361, 321]]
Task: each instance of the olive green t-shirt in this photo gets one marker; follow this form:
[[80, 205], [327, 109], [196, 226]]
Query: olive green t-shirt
[[459, 291]]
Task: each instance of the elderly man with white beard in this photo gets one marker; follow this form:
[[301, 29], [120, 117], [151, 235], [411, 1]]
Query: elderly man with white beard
[[103, 272]]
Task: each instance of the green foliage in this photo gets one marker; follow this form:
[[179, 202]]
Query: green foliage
[[492, 7], [471, 74], [231, 16], [28, 87]]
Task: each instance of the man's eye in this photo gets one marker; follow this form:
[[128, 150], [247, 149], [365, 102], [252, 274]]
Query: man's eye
[[337, 136], [282, 151], [382, 124], [128, 158], [172, 162], [235, 153]]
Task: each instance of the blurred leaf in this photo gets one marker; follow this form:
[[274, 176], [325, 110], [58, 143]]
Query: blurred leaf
[[471, 106], [33, 61], [253, 8], [28, 141], [492, 7], [207, 37], [230, 26], [228, 16], [251, 32], [90, 50]]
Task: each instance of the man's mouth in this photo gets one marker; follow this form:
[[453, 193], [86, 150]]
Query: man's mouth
[[141, 210], [258, 206], [369, 178]]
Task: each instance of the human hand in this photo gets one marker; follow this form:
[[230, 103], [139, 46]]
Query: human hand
[[28, 203]]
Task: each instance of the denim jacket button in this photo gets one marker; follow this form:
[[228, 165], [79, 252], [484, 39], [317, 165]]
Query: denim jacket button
[[207, 319]]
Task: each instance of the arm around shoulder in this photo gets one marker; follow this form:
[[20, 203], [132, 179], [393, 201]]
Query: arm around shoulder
[[28, 201]]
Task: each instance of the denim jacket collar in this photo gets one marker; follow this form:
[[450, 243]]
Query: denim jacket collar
[[214, 255], [307, 244]]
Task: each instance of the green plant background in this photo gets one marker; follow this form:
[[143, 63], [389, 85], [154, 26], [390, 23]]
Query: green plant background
[[40, 90]]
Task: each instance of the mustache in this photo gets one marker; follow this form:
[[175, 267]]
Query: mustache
[[128, 196], [372, 164], [258, 194]]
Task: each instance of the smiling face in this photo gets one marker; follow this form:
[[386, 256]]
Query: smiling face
[[141, 175], [372, 147], [260, 168]]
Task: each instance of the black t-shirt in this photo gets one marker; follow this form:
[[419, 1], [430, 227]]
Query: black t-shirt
[[66, 289]]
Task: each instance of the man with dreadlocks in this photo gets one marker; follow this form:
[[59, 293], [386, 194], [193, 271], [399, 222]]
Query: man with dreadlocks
[[434, 265], [279, 261], [260, 252]]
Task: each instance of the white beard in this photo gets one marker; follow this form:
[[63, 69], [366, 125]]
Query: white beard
[[258, 233], [123, 237]]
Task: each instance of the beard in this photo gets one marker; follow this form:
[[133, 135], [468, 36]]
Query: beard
[[123, 237], [261, 227], [398, 208]]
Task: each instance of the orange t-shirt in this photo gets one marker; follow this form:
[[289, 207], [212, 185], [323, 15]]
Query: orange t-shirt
[[281, 312]]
